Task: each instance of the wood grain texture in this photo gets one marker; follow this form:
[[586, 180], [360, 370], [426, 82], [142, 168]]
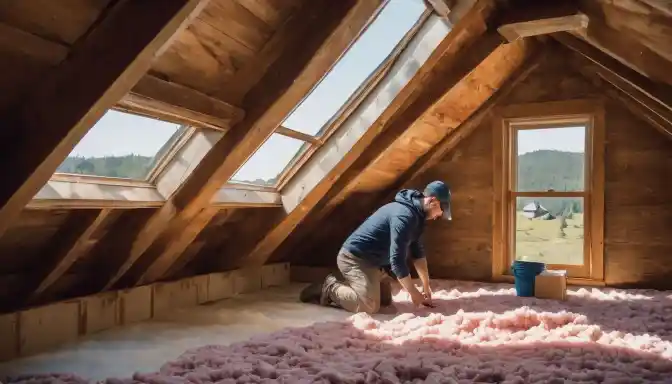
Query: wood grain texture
[[298, 68], [118, 64]]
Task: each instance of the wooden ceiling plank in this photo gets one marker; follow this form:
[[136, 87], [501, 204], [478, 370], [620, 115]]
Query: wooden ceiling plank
[[441, 7], [48, 126], [655, 97], [449, 142], [73, 244], [306, 47], [520, 30], [463, 49], [457, 107], [626, 48], [177, 103], [206, 237], [174, 244], [662, 125]]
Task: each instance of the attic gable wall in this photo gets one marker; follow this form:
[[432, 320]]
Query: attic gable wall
[[638, 213]]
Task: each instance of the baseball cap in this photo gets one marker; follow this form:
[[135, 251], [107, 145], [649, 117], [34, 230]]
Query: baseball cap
[[441, 191]]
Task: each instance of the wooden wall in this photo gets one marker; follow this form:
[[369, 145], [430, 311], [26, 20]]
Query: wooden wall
[[638, 179], [638, 211]]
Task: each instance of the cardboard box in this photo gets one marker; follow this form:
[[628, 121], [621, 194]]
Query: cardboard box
[[551, 285]]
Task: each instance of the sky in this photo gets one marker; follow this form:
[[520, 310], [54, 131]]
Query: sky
[[569, 139], [118, 133]]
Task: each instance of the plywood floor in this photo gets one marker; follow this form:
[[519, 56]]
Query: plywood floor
[[146, 346]]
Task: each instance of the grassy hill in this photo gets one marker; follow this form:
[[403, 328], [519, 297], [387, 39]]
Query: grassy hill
[[129, 166], [537, 171], [549, 169]]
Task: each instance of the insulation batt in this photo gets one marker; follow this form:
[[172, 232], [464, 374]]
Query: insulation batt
[[478, 333]]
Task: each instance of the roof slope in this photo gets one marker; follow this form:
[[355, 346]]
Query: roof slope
[[231, 72]]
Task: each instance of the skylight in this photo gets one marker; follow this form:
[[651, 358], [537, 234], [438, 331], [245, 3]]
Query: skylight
[[268, 163], [371, 49], [121, 145]]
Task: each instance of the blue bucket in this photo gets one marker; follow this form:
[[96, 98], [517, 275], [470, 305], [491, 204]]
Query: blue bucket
[[524, 273]]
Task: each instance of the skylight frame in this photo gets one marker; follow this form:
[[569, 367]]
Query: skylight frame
[[353, 102], [152, 175]]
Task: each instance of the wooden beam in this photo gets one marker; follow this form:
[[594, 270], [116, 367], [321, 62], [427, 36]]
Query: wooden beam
[[210, 236], [662, 6], [176, 243], [625, 47], [305, 49], [98, 72], [662, 125], [441, 7], [439, 128], [656, 98], [523, 29], [449, 142], [461, 51], [173, 102], [73, 241], [298, 135]]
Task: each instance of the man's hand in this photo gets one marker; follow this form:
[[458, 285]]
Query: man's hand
[[427, 292], [417, 298]]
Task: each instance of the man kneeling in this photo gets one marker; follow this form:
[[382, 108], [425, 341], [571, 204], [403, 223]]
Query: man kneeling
[[381, 242]]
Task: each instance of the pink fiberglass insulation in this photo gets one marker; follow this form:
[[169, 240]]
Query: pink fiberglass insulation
[[477, 333]]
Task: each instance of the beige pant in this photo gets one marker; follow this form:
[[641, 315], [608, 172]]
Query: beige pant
[[364, 288]]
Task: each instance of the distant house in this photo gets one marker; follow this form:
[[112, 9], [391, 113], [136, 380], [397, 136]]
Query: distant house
[[534, 210]]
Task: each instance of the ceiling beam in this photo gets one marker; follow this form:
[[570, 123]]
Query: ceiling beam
[[624, 46], [98, 72], [73, 240], [656, 98], [543, 26], [441, 7], [463, 49], [306, 47], [448, 143], [443, 125], [176, 103]]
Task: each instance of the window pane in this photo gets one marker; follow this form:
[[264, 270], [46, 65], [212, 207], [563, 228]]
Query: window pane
[[551, 158], [120, 145], [264, 167], [549, 230], [357, 64]]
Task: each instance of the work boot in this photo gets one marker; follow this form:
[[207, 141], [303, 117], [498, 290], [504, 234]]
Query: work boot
[[311, 294], [329, 282]]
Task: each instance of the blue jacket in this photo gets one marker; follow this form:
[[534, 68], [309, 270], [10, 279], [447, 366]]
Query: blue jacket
[[385, 238]]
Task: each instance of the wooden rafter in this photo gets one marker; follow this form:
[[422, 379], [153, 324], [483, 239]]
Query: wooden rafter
[[305, 50], [441, 7], [655, 98], [72, 244], [449, 142], [623, 45], [177, 243], [47, 125], [173, 102], [455, 57], [543, 26], [502, 67]]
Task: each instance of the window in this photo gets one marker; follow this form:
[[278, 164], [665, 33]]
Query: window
[[376, 43], [122, 145], [268, 163], [552, 188], [346, 84]]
